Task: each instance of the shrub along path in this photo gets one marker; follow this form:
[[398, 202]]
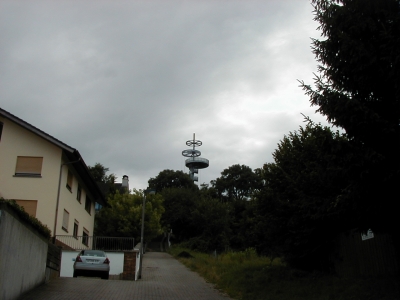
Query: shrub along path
[[163, 277]]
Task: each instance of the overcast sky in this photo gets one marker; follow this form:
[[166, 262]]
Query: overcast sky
[[127, 83]]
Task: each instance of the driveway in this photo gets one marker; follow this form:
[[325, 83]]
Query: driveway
[[163, 277]]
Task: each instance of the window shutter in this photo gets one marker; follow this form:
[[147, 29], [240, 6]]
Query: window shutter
[[79, 193], [70, 180], [65, 220], [76, 225], [29, 206], [88, 205], [27, 165]]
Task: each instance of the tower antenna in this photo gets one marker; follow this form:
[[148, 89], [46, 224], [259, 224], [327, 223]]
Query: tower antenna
[[194, 162]]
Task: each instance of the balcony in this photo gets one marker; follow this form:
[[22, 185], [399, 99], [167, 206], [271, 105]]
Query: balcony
[[69, 242]]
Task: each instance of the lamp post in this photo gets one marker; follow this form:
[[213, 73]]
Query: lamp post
[[145, 192]]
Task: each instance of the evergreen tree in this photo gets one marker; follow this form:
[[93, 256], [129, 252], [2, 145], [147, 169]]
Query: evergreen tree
[[358, 89]]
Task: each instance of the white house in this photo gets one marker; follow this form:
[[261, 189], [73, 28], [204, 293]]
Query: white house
[[47, 177]]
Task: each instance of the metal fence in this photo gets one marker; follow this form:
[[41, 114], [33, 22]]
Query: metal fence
[[69, 242]]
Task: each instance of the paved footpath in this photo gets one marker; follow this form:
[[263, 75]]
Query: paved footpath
[[163, 277]]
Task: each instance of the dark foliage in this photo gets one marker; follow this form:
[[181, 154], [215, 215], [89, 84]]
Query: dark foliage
[[242, 218], [299, 209], [238, 182], [171, 179], [358, 89], [105, 182], [184, 254], [179, 204]]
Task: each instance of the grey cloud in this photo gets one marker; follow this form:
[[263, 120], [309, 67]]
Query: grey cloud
[[128, 82]]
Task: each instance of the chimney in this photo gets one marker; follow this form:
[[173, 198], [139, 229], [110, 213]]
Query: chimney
[[125, 182]]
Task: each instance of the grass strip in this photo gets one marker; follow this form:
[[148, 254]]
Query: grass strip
[[244, 275]]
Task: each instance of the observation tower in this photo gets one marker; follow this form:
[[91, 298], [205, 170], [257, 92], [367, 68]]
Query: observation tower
[[194, 162]]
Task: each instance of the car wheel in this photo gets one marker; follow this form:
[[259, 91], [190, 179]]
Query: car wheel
[[75, 274], [105, 276]]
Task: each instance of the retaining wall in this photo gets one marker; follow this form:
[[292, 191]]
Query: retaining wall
[[23, 256]]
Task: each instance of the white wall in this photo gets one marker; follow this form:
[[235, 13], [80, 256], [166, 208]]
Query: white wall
[[17, 141], [75, 208], [116, 262], [67, 263]]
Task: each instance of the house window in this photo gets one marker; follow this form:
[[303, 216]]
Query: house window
[[29, 206], [85, 237], [29, 166], [76, 225], [79, 194], [65, 221], [88, 205], [70, 179]]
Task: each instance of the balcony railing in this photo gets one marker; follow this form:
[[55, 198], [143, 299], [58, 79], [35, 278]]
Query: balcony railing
[[69, 242]]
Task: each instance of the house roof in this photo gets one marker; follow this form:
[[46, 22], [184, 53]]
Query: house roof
[[70, 153]]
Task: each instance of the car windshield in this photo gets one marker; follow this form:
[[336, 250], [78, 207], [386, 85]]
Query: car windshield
[[93, 253]]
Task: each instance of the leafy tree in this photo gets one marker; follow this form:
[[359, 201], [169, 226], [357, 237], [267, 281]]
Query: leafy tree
[[242, 218], [99, 173], [104, 181], [238, 182], [154, 210], [195, 217], [179, 193], [235, 187], [179, 205], [171, 179], [212, 222], [299, 211], [358, 90], [208, 192], [123, 216], [272, 217]]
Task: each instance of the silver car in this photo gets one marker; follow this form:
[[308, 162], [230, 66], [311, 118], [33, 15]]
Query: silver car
[[92, 263]]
